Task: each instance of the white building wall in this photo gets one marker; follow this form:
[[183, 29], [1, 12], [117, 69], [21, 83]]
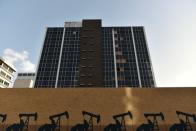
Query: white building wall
[[7, 74]]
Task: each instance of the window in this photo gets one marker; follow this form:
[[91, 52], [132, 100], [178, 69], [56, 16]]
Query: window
[[74, 32], [10, 70], [1, 81], [83, 66], [5, 66], [9, 77], [6, 83], [121, 38], [2, 73], [115, 32], [118, 52], [19, 74], [84, 36], [82, 75]]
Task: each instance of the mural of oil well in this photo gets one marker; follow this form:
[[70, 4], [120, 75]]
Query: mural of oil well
[[90, 120], [87, 124]]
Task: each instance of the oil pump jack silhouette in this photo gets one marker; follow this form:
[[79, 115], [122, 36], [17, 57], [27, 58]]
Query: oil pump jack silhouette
[[24, 122], [2, 120], [183, 125], [120, 125], [88, 124], [55, 122], [152, 124], [3, 117]]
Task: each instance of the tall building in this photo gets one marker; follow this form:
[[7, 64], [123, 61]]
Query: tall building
[[24, 80], [6, 74], [85, 54]]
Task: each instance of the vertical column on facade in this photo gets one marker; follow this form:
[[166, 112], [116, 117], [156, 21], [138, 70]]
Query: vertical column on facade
[[114, 53], [136, 58], [60, 56], [91, 65]]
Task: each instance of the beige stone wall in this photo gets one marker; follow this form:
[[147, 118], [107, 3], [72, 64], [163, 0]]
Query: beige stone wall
[[106, 102], [23, 83]]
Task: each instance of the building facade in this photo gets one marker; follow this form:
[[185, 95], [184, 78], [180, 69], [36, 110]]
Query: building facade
[[6, 74], [85, 54], [24, 80]]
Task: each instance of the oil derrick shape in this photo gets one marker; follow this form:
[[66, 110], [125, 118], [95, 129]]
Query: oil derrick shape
[[88, 124], [55, 122], [120, 124], [24, 122], [152, 124], [184, 125], [2, 121]]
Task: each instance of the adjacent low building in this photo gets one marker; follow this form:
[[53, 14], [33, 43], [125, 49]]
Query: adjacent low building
[[24, 80], [7, 73]]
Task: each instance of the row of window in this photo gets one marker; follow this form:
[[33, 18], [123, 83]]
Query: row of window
[[126, 64], [7, 68], [4, 82], [108, 59], [69, 68], [49, 59], [2, 73]]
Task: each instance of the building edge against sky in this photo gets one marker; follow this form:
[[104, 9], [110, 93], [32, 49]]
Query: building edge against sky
[[85, 54]]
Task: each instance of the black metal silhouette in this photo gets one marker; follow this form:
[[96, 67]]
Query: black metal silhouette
[[56, 119], [26, 118], [120, 125], [55, 122], [87, 125], [81, 127], [178, 127], [3, 117], [24, 122], [48, 127], [152, 125], [183, 125], [90, 121], [16, 126], [113, 127]]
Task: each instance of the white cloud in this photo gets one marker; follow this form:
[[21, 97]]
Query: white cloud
[[20, 60]]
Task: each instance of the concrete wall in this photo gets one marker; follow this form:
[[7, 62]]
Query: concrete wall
[[104, 101], [23, 83]]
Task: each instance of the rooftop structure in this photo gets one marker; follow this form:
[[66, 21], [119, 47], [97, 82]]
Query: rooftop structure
[[24, 80]]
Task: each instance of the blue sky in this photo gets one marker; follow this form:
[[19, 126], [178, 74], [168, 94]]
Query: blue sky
[[170, 26]]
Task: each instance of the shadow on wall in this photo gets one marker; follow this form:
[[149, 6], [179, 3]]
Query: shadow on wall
[[162, 103]]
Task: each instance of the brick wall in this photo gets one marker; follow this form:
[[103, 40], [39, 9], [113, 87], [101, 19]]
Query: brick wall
[[104, 101]]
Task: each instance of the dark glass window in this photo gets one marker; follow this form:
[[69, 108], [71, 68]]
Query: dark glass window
[[47, 69], [143, 58], [69, 66]]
